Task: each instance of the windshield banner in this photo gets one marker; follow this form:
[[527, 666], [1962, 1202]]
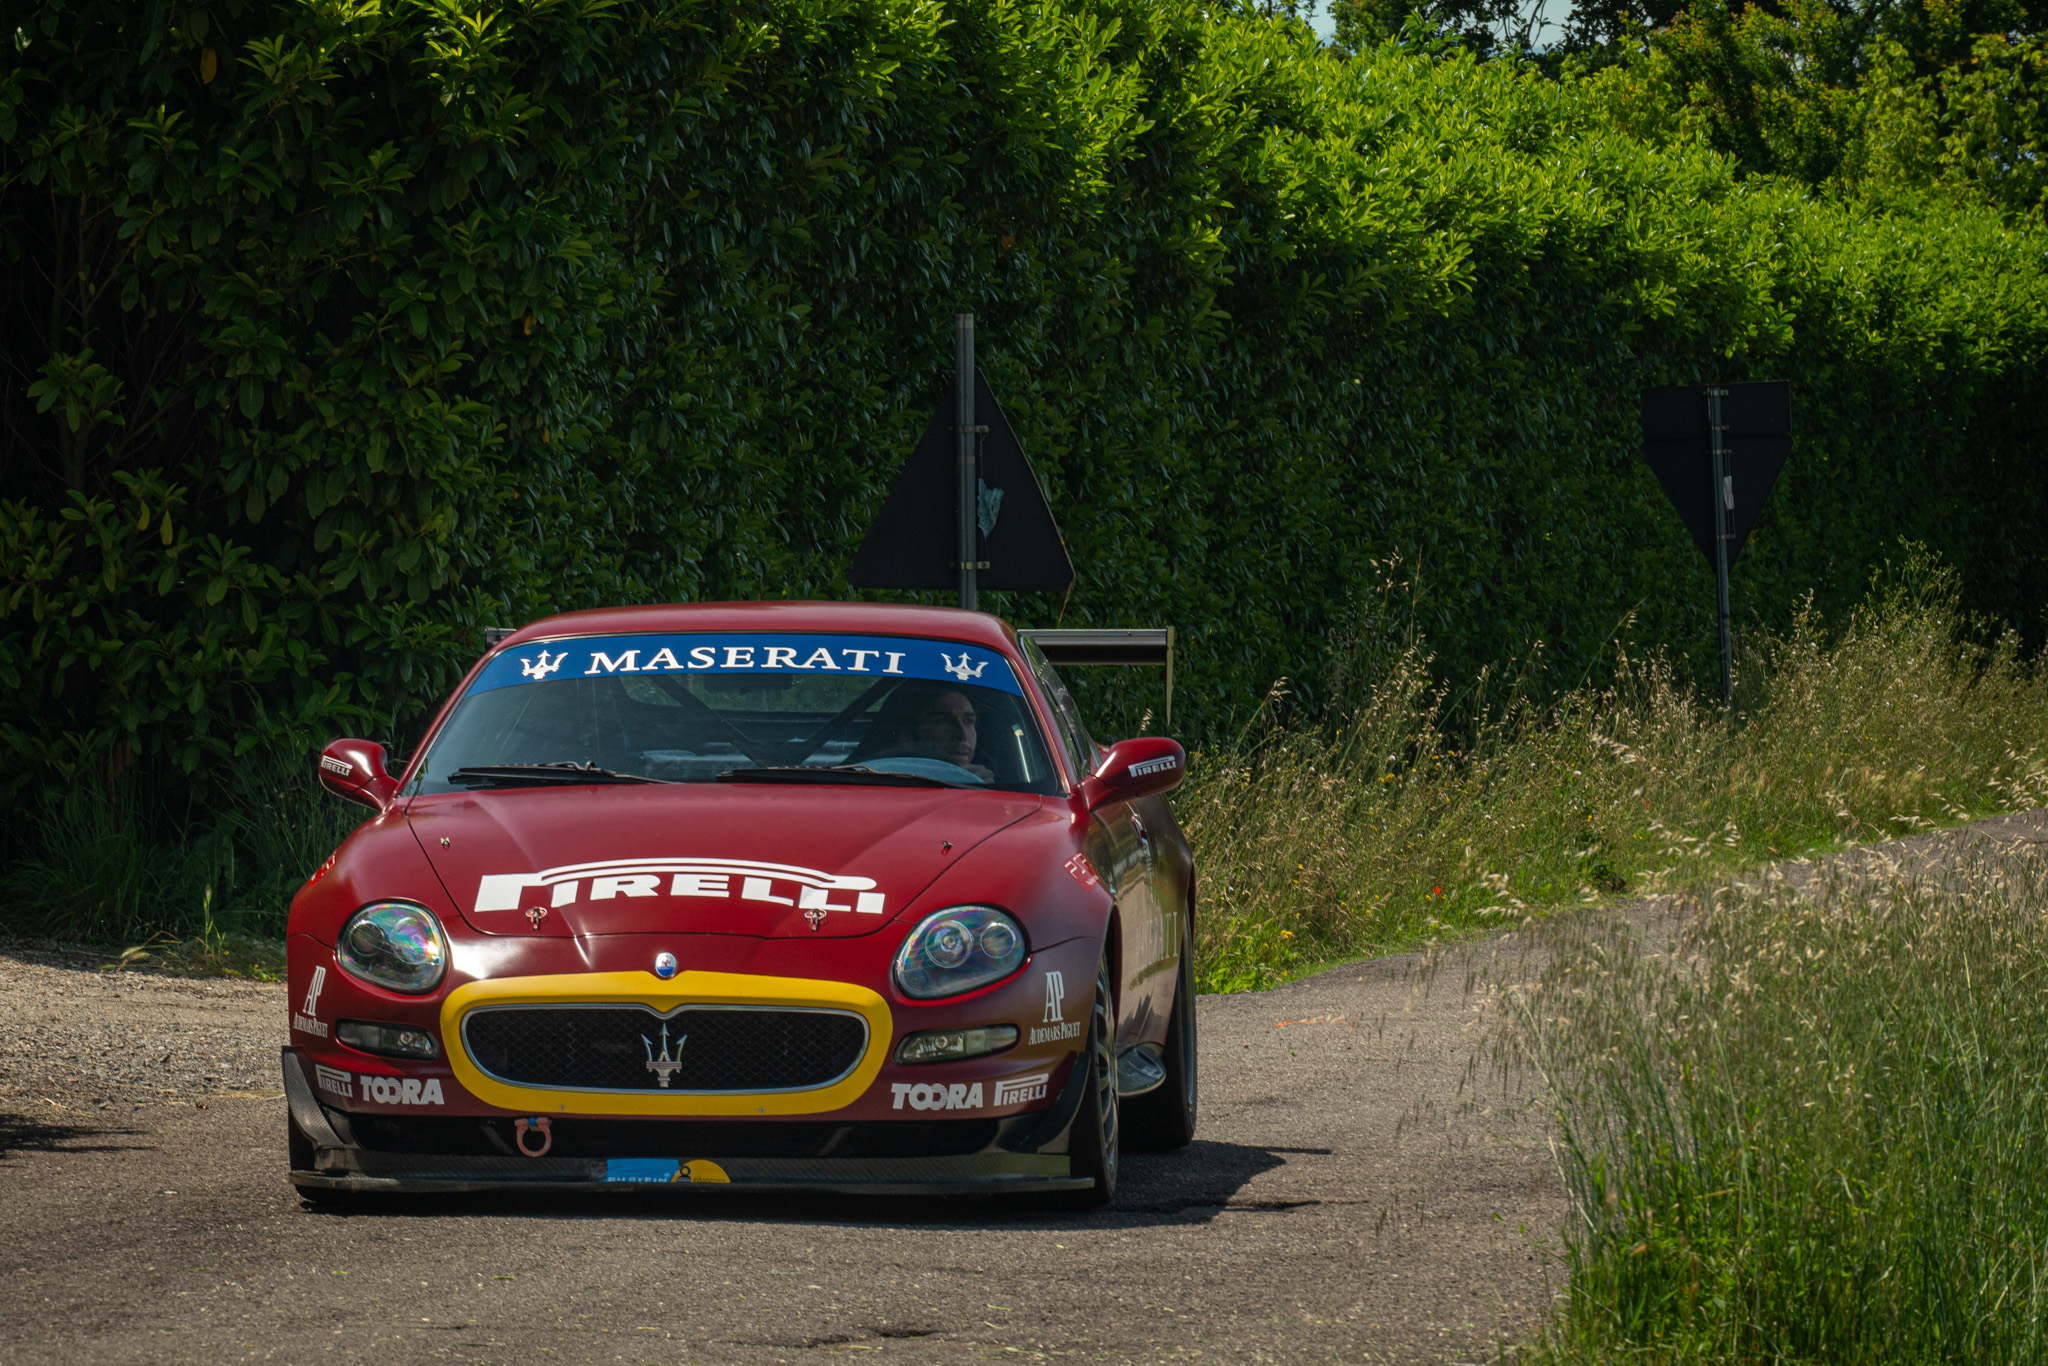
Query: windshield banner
[[737, 652]]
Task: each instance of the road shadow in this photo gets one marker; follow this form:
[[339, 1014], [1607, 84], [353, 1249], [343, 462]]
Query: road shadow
[[30, 1134], [1192, 1185]]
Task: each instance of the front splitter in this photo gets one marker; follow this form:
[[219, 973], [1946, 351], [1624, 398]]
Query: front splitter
[[344, 1166], [364, 1171]]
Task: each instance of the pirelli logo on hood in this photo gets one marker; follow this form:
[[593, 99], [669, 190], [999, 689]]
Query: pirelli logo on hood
[[717, 879]]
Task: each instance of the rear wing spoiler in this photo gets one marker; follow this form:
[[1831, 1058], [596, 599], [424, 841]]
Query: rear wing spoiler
[[1110, 645]]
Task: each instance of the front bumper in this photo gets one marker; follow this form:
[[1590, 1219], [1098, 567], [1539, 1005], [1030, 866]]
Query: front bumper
[[1023, 1153]]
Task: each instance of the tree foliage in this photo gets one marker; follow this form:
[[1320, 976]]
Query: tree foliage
[[337, 329]]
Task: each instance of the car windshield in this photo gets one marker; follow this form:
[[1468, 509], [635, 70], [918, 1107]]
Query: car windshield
[[742, 707]]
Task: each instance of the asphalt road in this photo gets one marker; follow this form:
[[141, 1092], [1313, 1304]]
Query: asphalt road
[[1361, 1191]]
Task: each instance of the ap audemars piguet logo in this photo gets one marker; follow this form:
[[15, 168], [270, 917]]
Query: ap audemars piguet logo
[[776, 884]]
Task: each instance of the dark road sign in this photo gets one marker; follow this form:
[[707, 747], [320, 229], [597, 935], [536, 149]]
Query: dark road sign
[[1677, 447], [915, 541], [1717, 450]]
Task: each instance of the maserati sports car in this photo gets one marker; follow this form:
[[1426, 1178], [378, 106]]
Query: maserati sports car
[[779, 896]]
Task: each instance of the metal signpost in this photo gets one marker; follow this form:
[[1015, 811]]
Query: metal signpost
[[1699, 439], [969, 435], [967, 513]]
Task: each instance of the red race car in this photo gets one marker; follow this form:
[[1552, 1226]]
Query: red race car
[[777, 896]]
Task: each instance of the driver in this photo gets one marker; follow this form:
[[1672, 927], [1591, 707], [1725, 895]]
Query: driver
[[941, 725]]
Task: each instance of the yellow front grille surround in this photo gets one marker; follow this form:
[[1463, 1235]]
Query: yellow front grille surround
[[644, 988]]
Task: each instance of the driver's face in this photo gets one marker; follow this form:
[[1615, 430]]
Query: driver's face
[[945, 729]]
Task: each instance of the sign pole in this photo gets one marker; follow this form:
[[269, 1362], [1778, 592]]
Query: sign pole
[[1724, 503], [964, 428]]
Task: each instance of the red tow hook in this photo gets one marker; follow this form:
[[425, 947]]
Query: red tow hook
[[538, 1122]]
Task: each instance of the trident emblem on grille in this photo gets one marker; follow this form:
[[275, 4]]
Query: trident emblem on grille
[[664, 1065]]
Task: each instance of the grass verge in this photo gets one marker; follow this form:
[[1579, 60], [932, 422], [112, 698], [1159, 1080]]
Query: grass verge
[[1816, 1130], [1421, 815], [168, 879]]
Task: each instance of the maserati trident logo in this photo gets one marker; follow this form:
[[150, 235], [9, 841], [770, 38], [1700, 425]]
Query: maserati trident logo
[[961, 669], [665, 1065], [542, 667]]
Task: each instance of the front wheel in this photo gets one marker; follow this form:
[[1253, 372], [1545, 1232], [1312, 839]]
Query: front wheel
[[1094, 1142], [1164, 1118]]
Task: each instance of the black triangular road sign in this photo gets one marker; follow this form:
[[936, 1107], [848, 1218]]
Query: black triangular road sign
[[914, 542], [1677, 446]]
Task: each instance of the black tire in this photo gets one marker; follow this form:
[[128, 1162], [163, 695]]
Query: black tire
[[300, 1149], [1095, 1142], [1164, 1118]]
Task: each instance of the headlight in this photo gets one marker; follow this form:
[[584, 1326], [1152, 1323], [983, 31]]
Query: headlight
[[393, 945], [957, 950]]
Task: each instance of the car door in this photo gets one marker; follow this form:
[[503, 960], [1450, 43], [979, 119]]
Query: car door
[[1123, 844]]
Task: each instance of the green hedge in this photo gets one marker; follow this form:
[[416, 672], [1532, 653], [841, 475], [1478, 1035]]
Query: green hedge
[[375, 325]]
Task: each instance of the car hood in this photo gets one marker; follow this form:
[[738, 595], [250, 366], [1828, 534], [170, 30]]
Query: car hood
[[724, 859]]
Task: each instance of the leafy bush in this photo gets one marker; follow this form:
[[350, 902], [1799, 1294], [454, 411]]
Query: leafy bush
[[336, 331]]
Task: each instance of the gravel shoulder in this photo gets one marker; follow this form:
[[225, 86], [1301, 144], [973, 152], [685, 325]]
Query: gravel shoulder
[[75, 1038], [1368, 1187]]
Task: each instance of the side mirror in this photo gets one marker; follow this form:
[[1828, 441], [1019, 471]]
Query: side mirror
[[1135, 768], [355, 769]]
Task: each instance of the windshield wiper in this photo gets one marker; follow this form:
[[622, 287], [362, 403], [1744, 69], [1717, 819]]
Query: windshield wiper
[[560, 774], [833, 773]]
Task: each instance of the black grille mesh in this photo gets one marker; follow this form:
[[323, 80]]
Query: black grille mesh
[[605, 1048]]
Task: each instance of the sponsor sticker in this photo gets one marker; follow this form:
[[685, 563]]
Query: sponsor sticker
[[959, 1095], [1054, 1033], [1053, 1022], [339, 767], [964, 1095], [333, 1080], [739, 652], [401, 1090], [307, 1020], [1083, 871], [642, 1170], [772, 884], [1159, 765], [1017, 1090]]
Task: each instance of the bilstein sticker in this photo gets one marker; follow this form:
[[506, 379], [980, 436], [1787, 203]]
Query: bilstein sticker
[[774, 884]]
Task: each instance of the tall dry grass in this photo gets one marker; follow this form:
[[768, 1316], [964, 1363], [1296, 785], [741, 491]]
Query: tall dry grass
[[1416, 817], [1815, 1129]]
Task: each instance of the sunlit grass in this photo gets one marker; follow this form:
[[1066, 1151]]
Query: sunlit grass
[[1317, 842], [1815, 1130]]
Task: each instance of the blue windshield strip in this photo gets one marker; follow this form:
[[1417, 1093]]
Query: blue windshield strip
[[736, 652]]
